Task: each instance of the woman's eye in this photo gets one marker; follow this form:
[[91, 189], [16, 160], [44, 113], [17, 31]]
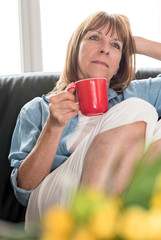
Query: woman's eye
[[94, 38], [116, 45]]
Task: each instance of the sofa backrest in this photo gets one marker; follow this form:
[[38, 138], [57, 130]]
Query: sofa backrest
[[15, 91], [144, 73]]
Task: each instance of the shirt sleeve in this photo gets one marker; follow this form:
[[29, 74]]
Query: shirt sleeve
[[26, 133], [146, 89]]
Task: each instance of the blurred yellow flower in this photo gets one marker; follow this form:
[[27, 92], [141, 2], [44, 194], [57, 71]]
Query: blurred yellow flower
[[155, 224], [95, 215], [134, 224], [83, 233], [103, 222], [52, 236], [58, 221], [155, 201]]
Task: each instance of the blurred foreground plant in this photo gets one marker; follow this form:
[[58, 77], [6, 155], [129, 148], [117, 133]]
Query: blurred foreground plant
[[94, 215]]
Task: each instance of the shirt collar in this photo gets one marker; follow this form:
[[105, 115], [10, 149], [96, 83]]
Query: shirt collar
[[111, 94]]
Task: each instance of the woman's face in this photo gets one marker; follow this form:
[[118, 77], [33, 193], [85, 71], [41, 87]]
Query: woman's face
[[99, 54]]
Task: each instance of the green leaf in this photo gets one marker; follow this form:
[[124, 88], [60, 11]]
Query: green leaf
[[142, 184], [85, 203]]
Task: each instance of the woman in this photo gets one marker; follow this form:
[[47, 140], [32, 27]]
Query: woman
[[55, 148]]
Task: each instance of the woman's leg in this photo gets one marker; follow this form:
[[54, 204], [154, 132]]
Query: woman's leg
[[112, 155], [121, 146], [154, 150]]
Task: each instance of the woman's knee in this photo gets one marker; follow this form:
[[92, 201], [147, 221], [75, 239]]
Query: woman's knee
[[127, 112], [119, 135], [136, 130], [139, 103]]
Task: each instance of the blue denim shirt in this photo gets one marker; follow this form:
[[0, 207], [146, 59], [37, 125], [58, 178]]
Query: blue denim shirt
[[33, 116]]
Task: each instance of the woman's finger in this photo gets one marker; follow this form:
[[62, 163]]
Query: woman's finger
[[62, 97]]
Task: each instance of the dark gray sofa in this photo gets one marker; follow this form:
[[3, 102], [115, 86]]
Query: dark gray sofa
[[15, 91]]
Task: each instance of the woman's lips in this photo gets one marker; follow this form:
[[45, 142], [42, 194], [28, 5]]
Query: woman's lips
[[101, 63]]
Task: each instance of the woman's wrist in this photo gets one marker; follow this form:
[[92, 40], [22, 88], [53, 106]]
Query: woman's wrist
[[52, 127], [141, 45]]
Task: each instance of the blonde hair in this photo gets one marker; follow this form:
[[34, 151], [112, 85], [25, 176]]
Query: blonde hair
[[118, 23]]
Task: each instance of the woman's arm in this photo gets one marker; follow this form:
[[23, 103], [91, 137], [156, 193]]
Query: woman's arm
[[38, 163], [148, 47]]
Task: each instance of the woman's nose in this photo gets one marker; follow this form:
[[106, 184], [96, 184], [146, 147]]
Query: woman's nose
[[105, 52], [105, 49]]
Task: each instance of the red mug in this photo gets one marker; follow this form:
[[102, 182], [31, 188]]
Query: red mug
[[92, 96]]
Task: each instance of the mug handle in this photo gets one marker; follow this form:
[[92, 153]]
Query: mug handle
[[70, 86]]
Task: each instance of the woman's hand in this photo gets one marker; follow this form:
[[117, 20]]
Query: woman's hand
[[148, 47], [62, 107]]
